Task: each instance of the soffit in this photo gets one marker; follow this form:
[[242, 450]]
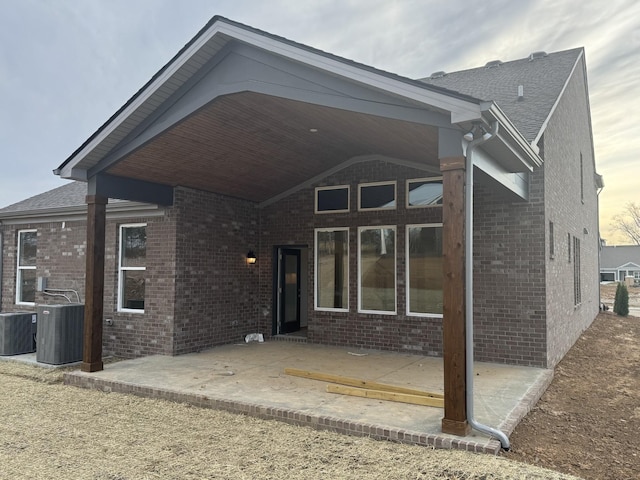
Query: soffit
[[254, 146]]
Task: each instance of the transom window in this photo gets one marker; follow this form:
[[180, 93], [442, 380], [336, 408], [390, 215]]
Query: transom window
[[424, 192], [377, 269], [332, 269], [26, 267], [132, 268], [424, 270], [377, 196], [332, 199]]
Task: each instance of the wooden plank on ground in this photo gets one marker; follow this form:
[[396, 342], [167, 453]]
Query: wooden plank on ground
[[355, 382], [388, 396]]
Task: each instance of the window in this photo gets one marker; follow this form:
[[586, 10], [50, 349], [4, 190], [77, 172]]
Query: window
[[132, 267], [377, 196], [377, 270], [581, 179], [577, 287], [424, 192], [332, 199], [552, 250], [332, 269], [424, 270], [26, 267]]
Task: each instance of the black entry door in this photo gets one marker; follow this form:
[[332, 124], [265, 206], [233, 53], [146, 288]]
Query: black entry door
[[289, 290]]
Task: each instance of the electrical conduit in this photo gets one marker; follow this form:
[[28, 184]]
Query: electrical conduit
[[468, 232]]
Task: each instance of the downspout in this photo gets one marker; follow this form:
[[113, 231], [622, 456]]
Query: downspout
[[468, 232]]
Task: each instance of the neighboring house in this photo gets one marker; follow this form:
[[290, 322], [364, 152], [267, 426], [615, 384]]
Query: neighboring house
[[618, 262], [346, 184]]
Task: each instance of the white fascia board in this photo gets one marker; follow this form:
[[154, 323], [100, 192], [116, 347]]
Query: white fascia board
[[512, 137], [79, 212], [459, 108], [555, 104], [427, 96]]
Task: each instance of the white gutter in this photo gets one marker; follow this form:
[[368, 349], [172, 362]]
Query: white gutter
[[468, 232]]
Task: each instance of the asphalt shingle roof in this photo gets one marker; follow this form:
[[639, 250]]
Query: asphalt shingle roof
[[619, 255], [542, 79], [70, 195]]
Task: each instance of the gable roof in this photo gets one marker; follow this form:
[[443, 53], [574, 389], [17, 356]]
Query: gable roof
[[542, 76], [165, 87], [615, 256]]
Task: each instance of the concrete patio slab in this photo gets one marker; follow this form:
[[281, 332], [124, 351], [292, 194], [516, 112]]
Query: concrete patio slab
[[250, 379]]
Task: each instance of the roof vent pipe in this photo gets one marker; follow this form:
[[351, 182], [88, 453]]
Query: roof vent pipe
[[520, 92], [468, 232]]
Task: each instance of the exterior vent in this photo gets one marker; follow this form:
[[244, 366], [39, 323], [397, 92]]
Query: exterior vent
[[536, 55], [438, 74], [493, 63], [60, 333], [17, 331]]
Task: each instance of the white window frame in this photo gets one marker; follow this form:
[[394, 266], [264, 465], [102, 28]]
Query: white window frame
[[425, 180], [376, 184], [21, 268], [315, 266], [395, 271], [122, 269], [333, 187], [407, 273]]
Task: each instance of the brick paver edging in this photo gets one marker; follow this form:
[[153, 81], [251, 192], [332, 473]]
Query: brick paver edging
[[333, 424]]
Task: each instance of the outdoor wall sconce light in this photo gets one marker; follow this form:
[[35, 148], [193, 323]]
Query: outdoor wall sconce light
[[251, 258]]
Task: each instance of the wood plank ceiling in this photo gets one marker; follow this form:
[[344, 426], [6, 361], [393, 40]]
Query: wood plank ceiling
[[255, 146]]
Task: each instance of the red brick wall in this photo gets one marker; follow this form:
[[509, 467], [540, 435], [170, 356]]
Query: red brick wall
[[216, 291], [292, 221], [61, 259]]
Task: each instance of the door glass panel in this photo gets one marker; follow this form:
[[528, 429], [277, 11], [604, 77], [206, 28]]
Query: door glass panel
[[290, 288]]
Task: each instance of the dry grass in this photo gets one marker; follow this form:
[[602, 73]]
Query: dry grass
[[48, 430]]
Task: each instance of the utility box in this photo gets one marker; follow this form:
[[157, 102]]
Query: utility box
[[17, 333], [60, 333]]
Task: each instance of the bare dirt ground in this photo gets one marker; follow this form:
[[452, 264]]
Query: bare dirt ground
[[52, 431], [588, 422]]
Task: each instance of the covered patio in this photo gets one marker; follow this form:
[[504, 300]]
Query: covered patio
[[250, 379], [255, 119]]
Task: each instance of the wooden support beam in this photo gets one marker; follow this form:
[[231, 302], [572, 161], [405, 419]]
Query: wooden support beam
[[453, 322], [355, 382], [388, 396], [94, 284]]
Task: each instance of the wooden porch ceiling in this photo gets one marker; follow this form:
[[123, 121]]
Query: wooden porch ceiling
[[255, 146]]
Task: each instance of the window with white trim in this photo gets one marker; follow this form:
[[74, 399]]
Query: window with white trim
[[132, 267], [334, 199], [26, 267], [377, 196], [424, 270], [377, 269], [332, 269], [424, 192]]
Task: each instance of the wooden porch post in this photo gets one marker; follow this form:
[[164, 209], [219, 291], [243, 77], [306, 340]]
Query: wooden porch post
[[453, 328], [94, 284]]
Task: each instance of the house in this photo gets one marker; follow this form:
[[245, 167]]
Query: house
[[298, 192], [617, 262]]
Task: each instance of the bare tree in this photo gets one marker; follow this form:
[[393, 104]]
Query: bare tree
[[628, 223]]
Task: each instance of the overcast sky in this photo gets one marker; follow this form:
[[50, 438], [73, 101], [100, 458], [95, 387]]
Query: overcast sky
[[67, 65]]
